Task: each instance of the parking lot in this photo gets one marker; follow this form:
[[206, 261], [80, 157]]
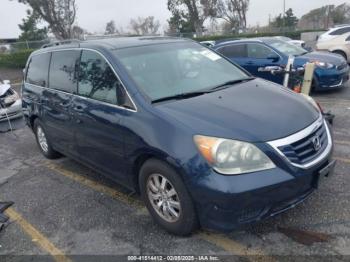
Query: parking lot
[[63, 211]]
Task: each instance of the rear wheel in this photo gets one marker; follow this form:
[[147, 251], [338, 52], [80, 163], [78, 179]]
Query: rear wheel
[[43, 142], [166, 198], [340, 53]]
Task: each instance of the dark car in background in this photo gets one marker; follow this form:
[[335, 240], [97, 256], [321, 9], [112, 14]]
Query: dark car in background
[[331, 72], [204, 142]]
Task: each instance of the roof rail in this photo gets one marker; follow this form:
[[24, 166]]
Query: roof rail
[[64, 42]]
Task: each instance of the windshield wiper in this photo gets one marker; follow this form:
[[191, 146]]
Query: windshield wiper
[[230, 83], [202, 92], [180, 96]]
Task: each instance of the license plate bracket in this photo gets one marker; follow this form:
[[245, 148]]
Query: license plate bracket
[[325, 173]]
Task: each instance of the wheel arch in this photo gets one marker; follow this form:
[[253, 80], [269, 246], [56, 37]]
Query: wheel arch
[[32, 119], [142, 158], [340, 50]]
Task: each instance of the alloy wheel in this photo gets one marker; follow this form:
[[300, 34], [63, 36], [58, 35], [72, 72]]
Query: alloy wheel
[[164, 198]]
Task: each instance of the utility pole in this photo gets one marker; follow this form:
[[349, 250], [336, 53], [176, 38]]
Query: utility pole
[[284, 15]]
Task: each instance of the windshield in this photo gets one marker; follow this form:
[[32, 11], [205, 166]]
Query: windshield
[[167, 70], [285, 47]]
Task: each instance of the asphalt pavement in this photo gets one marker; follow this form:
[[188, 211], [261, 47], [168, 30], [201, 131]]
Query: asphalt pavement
[[64, 211]]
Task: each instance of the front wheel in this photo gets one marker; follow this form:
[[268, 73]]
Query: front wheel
[[166, 198]]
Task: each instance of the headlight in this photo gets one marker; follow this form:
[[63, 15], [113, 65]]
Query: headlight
[[231, 157], [11, 98], [312, 102], [323, 64]]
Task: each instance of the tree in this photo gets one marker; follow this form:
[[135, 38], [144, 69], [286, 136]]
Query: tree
[[59, 14], [30, 31], [144, 25], [234, 12], [177, 24], [341, 14], [110, 28], [325, 17], [288, 20], [78, 32], [291, 20], [193, 12]]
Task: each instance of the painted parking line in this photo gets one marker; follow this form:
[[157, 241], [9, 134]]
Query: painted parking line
[[341, 159], [235, 247], [330, 99], [96, 186], [39, 238], [221, 241], [342, 142]]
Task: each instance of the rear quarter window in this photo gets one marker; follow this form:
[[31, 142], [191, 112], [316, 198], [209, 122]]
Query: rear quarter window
[[239, 50], [37, 72], [63, 70]]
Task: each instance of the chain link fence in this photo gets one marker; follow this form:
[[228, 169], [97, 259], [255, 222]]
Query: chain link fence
[[8, 48]]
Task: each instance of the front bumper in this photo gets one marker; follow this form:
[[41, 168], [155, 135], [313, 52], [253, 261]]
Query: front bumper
[[225, 203], [331, 79]]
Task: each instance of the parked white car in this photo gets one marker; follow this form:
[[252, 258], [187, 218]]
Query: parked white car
[[338, 45], [334, 33], [10, 102], [300, 43]]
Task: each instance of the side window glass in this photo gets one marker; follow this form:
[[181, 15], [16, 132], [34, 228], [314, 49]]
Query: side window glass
[[37, 72], [232, 51], [259, 51], [97, 80], [63, 70], [341, 31]]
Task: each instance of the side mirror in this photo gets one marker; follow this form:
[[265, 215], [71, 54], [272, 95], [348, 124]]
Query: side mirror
[[273, 57]]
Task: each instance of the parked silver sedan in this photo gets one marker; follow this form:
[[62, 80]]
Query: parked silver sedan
[[10, 102]]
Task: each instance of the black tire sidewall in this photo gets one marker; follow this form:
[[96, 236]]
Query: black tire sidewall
[[188, 218], [341, 53], [51, 153]]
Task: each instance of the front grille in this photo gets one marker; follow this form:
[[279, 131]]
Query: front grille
[[342, 66], [304, 151]]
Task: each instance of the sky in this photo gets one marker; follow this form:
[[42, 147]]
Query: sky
[[93, 15]]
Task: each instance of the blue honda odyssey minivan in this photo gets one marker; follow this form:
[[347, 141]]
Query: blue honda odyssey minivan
[[203, 142]]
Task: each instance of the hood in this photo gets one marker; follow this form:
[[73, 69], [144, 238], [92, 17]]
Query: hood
[[255, 111], [4, 88], [322, 57]]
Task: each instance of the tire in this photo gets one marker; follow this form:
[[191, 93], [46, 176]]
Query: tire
[[187, 221], [341, 53], [40, 134]]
